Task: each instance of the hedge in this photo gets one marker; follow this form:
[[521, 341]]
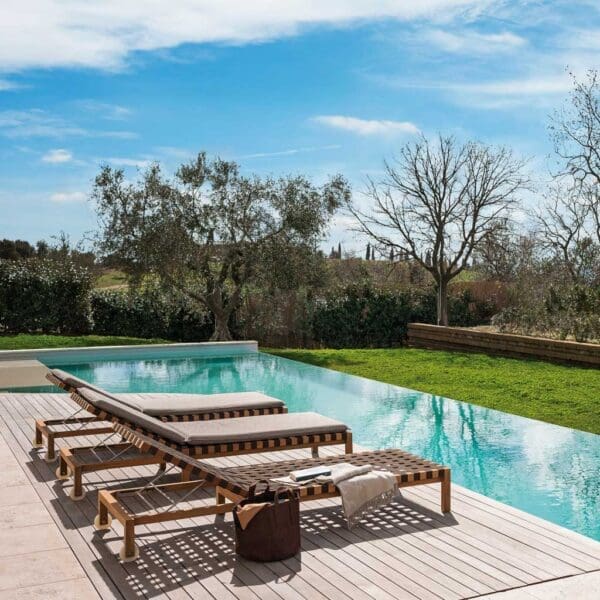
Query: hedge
[[47, 296], [44, 296], [363, 317], [148, 314]]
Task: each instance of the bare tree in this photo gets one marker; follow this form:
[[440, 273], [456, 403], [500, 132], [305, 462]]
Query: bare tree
[[438, 201], [505, 253], [565, 229], [576, 133]]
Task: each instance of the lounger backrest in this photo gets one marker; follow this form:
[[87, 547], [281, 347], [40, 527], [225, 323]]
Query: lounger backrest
[[133, 416], [198, 469], [72, 382]]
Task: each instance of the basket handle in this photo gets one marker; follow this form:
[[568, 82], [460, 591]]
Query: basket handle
[[289, 492], [252, 488]]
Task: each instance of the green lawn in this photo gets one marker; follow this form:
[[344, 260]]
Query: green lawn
[[558, 394], [25, 341], [111, 278]]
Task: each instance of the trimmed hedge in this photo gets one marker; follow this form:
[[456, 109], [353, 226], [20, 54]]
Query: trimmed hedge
[[148, 314], [44, 296], [47, 296], [363, 317]]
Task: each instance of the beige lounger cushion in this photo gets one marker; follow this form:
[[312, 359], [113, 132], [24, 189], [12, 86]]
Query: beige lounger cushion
[[265, 427], [156, 404], [220, 431], [118, 409], [194, 404], [74, 382]]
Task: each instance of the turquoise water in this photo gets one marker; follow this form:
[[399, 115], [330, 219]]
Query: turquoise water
[[549, 471]]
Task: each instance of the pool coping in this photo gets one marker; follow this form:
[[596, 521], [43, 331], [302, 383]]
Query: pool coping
[[58, 356]]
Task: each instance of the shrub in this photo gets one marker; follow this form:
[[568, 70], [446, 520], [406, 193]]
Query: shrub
[[362, 316], [564, 311], [148, 313], [39, 295]]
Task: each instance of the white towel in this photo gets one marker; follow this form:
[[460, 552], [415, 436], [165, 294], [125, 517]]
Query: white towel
[[362, 489]]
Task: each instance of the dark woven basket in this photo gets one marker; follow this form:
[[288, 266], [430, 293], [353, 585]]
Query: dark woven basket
[[274, 532]]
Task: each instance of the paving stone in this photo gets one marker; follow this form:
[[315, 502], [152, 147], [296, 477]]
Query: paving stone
[[39, 568], [72, 589], [24, 515], [24, 540]]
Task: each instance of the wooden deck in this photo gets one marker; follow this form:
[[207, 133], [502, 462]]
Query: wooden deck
[[408, 550]]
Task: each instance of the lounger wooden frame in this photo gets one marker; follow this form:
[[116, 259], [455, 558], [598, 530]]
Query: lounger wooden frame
[[232, 484], [72, 426], [76, 462]]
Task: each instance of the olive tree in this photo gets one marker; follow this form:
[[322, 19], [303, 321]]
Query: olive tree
[[437, 202], [208, 232]]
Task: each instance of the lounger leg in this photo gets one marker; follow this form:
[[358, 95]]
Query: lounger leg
[[446, 499], [63, 469], [220, 498], [77, 492], [39, 438], [161, 467], [349, 447], [50, 448], [129, 551], [315, 451], [103, 519]]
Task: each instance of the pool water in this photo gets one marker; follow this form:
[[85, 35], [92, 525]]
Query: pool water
[[549, 471]]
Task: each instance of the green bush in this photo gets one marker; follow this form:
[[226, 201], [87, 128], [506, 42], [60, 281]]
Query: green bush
[[39, 295], [364, 317], [564, 311], [148, 313]]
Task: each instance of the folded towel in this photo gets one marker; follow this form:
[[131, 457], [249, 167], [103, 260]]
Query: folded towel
[[343, 471], [361, 488], [246, 513], [364, 493]]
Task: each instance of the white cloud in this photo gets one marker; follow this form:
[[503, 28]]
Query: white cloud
[[367, 126], [473, 42], [6, 85], [529, 86], [291, 151], [537, 90], [140, 163], [39, 123], [52, 33], [57, 156], [509, 93], [104, 110], [68, 197]]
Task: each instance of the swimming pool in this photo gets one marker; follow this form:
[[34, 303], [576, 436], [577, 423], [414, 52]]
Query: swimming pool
[[550, 471]]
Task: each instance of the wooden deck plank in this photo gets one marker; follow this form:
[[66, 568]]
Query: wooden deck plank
[[407, 550]]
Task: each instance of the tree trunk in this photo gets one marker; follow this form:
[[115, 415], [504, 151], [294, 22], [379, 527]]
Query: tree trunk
[[442, 302], [221, 332]]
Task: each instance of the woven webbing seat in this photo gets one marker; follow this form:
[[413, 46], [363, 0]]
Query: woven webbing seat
[[233, 483]]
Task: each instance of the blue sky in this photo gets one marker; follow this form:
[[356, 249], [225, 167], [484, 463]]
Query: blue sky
[[281, 87]]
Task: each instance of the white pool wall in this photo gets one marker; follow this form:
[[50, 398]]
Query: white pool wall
[[65, 356]]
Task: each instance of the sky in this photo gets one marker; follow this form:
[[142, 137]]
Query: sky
[[290, 87]]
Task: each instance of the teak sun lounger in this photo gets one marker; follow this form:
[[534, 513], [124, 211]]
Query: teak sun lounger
[[166, 407], [206, 439], [173, 501]]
